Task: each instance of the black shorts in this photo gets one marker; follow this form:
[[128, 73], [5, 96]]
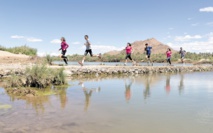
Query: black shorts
[[148, 55], [88, 51], [63, 52], [128, 56]]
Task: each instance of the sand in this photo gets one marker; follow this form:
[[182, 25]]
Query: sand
[[7, 57]]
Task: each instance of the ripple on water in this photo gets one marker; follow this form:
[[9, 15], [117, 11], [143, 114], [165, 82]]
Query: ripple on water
[[205, 116]]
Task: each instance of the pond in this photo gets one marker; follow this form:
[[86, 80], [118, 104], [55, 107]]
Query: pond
[[161, 103]]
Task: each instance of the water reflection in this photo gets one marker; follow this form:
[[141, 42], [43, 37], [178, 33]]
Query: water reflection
[[62, 94], [84, 111], [181, 84], [168, 87], [128, 85], [88, 93], [148, 81], [40, 102]]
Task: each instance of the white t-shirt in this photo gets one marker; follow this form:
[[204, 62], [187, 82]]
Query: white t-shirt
[[88, 45]]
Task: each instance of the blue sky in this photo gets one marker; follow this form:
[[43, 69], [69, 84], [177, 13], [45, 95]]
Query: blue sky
[[110, 24]]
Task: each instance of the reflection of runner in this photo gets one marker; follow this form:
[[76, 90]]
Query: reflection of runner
[[168, 87], [181, 85], [63, 97], [88, 50], [146, 92], [88, 94], [147, 50], [128, 90]]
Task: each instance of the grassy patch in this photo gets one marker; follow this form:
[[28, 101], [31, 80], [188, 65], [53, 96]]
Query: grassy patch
[[38, 76], [21, 50]]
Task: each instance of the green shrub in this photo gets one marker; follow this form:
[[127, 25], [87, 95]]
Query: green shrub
[[49, 59], [20, 50], [38, 76]]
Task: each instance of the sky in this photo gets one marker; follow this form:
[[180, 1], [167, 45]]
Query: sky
[[110, 24]]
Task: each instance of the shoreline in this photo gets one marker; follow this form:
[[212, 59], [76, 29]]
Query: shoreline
[[7, 70]]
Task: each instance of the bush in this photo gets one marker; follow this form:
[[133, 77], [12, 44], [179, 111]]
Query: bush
[[49, 59], [38, 77], [21, 50]]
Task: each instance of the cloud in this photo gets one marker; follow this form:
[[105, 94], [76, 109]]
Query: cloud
[[206, 9], [42, 54], [210, 24], [76, 43], [195, 24], [17, 37], [57, 41], [210, 38], [29, 39], [34, 40], [187, 38], [189, 19], [171, 28], [195, 46]]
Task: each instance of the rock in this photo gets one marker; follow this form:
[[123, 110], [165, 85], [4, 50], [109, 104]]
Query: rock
[[30, 95]]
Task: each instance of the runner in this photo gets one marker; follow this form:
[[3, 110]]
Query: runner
[[63, 49], [168, 55], [128, 53], [88, 50], [147, 50], [182, 54]]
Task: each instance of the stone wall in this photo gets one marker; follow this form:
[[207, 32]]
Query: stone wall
[[114, 70], [134, 70]]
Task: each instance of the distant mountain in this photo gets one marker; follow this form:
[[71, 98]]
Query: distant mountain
[[138, 47]]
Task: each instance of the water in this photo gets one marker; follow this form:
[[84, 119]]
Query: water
[[142, 104]]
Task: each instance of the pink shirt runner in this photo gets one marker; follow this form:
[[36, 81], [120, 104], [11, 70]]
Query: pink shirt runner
[[128, 50], [169, 53], [64, 45]]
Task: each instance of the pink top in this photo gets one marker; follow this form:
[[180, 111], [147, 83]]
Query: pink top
[[128, 49], [169, 53], [64, 45]]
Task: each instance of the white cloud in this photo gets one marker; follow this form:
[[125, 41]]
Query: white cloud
[[42, 54], [195, 46], [171, 28], [210, 24], [29, 39], [189, 19], [195, 24], [206, 9], [169, 36], [187, 38], [210, 38], [17, 37], [76, 43], [57, 41], [34, 40]]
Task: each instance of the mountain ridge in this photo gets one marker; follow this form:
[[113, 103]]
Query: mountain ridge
[[138, 47]]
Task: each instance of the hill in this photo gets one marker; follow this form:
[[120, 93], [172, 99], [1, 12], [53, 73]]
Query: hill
[[138, 47]]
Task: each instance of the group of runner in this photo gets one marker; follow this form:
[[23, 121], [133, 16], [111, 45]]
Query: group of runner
[[64, 47], [128, 49]]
